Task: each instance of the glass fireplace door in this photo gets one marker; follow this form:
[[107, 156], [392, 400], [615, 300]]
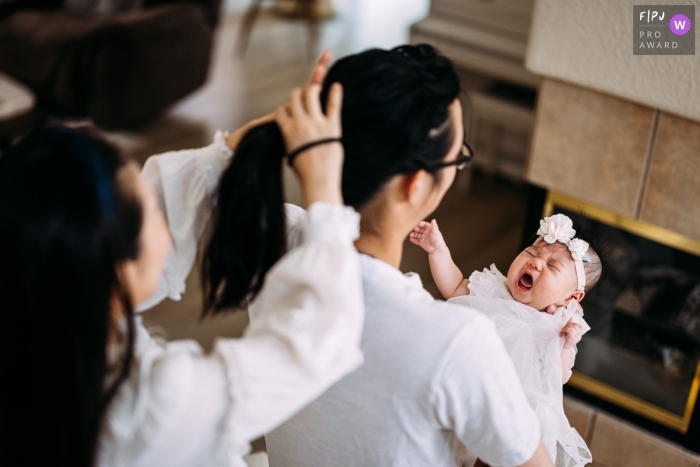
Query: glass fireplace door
[[643, 351]]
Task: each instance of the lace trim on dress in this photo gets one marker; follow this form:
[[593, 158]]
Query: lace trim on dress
[[489, 283]]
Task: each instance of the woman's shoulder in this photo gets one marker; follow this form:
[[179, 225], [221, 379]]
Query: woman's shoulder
[[157, 398], [453, 318], [158, 379], [473, 336]]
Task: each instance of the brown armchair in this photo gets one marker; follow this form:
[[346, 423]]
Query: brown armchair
[[121, 70]]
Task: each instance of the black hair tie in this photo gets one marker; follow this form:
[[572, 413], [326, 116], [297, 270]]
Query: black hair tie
[[292, 155]]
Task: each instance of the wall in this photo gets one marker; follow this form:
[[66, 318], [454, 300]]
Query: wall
[[615, 443], [589, 43]]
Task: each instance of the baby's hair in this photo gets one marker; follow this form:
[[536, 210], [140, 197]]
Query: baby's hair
[[599, 251]]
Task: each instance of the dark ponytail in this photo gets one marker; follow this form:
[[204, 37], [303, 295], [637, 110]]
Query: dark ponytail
[[248, 237], [395, 120]]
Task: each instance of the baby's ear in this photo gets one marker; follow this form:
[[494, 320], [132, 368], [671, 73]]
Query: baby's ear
[[578, 295]]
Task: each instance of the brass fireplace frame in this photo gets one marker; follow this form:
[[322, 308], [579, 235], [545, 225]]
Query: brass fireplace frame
[[656, 234]]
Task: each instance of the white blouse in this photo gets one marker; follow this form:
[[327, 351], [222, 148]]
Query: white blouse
[[182, 407]]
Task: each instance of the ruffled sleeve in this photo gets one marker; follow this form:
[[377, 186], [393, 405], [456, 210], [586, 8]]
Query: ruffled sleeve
[[181, 407], [305, 326], [294, 218], [185, 183], [489, 283]]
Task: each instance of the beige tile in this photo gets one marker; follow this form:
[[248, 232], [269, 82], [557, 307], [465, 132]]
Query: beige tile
[[589, 145], [673, 188], [618, 444], [580, 416]]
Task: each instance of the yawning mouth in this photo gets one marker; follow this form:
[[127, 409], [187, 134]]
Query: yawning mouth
[[525, 282]]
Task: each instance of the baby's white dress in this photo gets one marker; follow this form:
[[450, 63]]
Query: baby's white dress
[[532, 340]]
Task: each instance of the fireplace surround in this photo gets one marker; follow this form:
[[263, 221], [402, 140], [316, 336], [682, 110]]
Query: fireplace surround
[[641, 359], [614, 138]]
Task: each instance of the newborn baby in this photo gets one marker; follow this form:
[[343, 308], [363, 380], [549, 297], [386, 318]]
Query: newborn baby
[[537, 314]]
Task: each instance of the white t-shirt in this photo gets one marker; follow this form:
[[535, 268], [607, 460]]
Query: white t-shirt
[[436, 375]]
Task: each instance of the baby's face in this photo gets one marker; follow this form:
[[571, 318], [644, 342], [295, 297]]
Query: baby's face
[[543, 275]]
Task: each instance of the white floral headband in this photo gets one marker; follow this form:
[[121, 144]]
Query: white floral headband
[[560, 228]]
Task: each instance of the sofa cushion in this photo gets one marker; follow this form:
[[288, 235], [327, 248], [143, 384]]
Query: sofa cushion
[[119, 70]]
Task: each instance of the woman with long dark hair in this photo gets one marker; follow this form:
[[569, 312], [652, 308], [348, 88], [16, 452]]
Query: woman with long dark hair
[[436, 376], [83, 239]]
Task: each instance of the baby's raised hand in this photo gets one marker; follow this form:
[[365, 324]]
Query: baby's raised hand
[[427, 236], [572, 333]]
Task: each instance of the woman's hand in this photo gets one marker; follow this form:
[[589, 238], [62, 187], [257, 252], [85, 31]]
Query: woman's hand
[[572, 333], [302, 121], [321, 68], [427, 235]]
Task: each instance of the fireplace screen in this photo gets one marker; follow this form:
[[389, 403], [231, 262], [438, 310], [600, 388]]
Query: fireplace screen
[[643, 351]]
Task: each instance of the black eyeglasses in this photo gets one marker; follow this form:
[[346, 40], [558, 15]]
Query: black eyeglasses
[[461, 161]]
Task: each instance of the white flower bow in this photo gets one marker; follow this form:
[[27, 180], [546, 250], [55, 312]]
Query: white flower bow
[[578, 248], [557, 228]]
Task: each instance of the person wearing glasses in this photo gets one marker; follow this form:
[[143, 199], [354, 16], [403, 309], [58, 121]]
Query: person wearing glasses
[[436, 377]]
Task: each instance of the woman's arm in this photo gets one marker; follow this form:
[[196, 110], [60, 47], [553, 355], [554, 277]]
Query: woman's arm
[[185, 182], [306, 322], [182, 408], [305, 328], [304, 335]]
